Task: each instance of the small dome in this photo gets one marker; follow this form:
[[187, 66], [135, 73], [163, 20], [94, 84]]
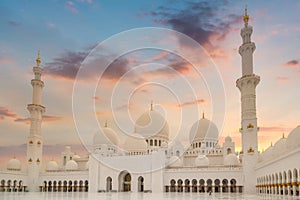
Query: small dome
[[201, 160], [164, 144], [231, 160], [152, 124], [135, 143], [106, 136], [14, 164], [51, 166], [76, 156], [293, 140], [71, 165], [228, 139], [175, 161], [204, 129]]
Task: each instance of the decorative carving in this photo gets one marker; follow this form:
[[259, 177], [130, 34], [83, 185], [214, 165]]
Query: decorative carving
[[30, 160], [38, 142], [38, 160], [250, 126], [30, 142], [250, 150]]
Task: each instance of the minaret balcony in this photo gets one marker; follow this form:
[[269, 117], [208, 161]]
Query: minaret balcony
[[35, 107]]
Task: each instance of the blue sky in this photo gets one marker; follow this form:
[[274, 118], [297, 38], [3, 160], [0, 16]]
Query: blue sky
[[65, 31]]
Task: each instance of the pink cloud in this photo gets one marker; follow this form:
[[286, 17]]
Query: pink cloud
[[70, 7], [198, 101], [283, 78], [6, 61], [292, 63]]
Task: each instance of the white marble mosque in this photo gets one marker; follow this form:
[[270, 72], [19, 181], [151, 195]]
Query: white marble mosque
[[205, 167]]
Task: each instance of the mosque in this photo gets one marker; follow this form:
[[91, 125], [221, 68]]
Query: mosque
[[146, 162]]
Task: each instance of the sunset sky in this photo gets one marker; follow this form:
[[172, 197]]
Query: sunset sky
[[66, 31]]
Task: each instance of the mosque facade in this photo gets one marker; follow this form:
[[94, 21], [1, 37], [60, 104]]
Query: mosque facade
[[147, 162]]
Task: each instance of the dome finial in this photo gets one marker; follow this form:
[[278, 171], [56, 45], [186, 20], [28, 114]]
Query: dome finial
[[203, 115], [246, 16], [271, 144], [105, 124], [38, 59], [134, 131], [283, 135], [151, 105]]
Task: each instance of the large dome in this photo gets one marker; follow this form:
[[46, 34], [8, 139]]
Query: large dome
[[71, 165], [152, 123], [106, 136], [51, 166], [204, 129], [14, 164], [135, 143], [293, 140]]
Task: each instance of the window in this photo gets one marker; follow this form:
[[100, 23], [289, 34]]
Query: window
[[151, 142], [155, 142]]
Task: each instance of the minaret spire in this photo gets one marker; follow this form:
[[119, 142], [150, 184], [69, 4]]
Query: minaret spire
[[35, 140], [247, 86]]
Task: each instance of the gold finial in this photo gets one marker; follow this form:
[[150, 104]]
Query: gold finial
[[271, 144], [151, 105], [134, 131], [105, 125], [38, 59], [283, 135], [203, 115], [246, 16]]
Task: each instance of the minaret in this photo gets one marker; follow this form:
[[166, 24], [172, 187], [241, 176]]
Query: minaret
[[247, 85], [35, 140]]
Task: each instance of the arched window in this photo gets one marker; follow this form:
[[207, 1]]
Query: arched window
[[151, 142]]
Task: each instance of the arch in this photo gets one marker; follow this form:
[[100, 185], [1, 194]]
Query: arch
[[59, 186], [75, 187], [224, 185], [141, 184], [49, 186], [54, 186], [233, 185], [229, 151], [173, 182], [201, 184], [2, 185], [124, 181], [194, 185], [65, 187], [209, 185], [217, 185], [108, 184], [70, 186], [179, 185], [80, 185], [187, 185], [86, 185]]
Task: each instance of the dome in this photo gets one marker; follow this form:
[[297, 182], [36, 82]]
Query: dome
[[280, 146], [71, 165], [228, 139], [201, 160], [51, 166], [106, 136], [14, 164], [175, 161], [204, 129], [293, 140], [135, 142], [152, 123], [231, 160], [76, 156]]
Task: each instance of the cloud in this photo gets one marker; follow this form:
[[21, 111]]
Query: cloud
[[6, 61], [273, 129], [70, 6], [5, 112], [67, 64], [192, 20], [46, 118], [198, 101], [14, 23], [292, 63], [283, 78]]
